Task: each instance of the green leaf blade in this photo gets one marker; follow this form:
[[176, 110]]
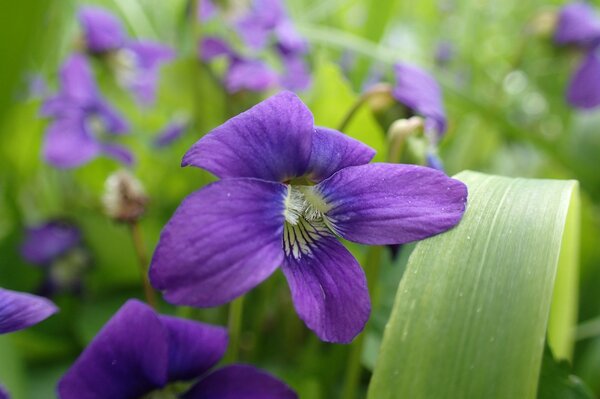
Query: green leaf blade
[[471, 311]]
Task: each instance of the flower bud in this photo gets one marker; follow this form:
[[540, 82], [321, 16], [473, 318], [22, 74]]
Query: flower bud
[[124, 197], [379, 97]]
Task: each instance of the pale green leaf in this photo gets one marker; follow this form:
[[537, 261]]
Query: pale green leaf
[[471, 311]]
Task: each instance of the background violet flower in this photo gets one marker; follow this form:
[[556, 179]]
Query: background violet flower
[[228, 237], [419, 91], [102, 30], [139, 352], [81, 119]]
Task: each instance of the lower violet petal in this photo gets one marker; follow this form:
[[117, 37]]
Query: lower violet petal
[[127, 359], [221, 242], [382, 204], [19, 310], [240, 382], [329, 290]]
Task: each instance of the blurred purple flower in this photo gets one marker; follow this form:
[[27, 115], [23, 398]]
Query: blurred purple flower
[[579, 25], [102, 30], [139, 352], [242, 73], [3, 393], [45, 242], [19, 310], [228, 237], [81, 117], [141, 68], [138, 61], [56, 246], [444, 53], [206, 10], [420, 92], [172, 132]]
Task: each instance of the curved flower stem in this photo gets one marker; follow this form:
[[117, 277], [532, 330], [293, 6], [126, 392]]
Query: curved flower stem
[[353, 369], [378, 89], [140, 251], [236, 311]]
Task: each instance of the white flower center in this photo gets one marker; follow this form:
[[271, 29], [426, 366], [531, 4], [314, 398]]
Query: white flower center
[[305, 220]]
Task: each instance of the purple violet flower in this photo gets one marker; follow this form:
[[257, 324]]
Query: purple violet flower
[[242, 73], [102, 30], [419, 91], [140, 71], [19, 310], [578, 25], [56, 247], [206, 10], [3, 393], [46, 242], [287, 189], [139, 353], [81, 119], [138, 61]]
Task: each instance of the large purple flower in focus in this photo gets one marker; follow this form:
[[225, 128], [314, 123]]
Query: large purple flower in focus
[[141, 354], [83, 120], [420, 92], [137, 62], [579, 25], [287, 189]]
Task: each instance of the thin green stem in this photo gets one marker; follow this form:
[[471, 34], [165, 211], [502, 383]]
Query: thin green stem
[[236, 311], [140, 252], [354, 367], [380, 89]]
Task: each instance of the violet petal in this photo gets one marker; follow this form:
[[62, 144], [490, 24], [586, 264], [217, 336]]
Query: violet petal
[[239, 381], [271, 141], [45, 242], [194, 347], [584, 88], [381, 204], [329, 290], [19, 310], [102, 30], [419, 91], [222, 241], [577, 24], [126, 359], [333, 151]]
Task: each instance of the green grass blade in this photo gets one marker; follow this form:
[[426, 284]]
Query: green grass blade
[[471, 312]]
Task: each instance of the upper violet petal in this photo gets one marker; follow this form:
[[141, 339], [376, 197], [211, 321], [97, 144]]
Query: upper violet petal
[[381, 204], [333, 151], [577, 24], [419, 91], [194, 347], [102, 30], [77, 82], [329, 290], [19, 310], [270, 141], [127, 359], [221, 242], [584, 88], [239, 381], [44, 243]]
